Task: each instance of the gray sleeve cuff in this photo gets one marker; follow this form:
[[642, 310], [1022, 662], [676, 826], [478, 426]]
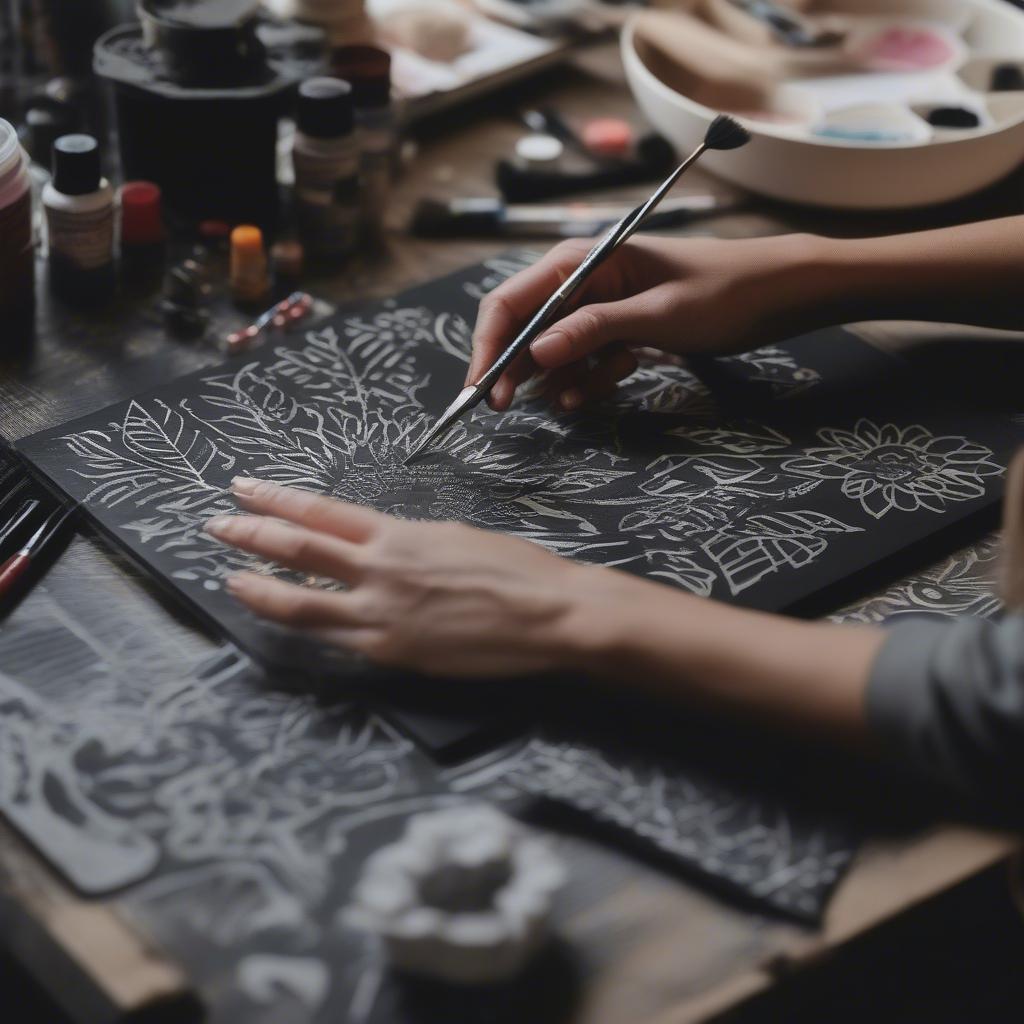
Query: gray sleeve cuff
[[898, 697], [947, 699]]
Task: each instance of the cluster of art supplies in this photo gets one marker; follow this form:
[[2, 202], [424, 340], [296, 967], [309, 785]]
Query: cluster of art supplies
[[198, 97], [255, 147]]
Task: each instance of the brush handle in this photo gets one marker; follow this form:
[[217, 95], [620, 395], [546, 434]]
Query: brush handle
[[546, 314], [11, 571], [616, 235]]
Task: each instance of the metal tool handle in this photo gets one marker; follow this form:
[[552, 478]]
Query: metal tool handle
[[546, 314], [616, 235]]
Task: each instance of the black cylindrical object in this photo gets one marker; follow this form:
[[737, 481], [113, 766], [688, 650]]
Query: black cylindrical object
[[205, 129]]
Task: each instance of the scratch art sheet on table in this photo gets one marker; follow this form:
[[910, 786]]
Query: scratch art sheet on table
[[775, 483], [232, 815]]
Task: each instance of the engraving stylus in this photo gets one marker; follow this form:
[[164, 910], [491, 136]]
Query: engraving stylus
[[722, 133]]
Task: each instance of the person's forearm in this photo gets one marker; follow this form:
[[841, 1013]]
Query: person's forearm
[[811, 677], [969, 274]]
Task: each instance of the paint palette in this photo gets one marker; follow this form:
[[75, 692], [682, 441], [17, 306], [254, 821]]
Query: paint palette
[[921, 101]]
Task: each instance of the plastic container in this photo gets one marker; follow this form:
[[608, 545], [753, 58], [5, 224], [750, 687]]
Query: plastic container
[[17, 276], [198, 91]]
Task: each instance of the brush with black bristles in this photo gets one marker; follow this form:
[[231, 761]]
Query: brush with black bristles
[[723, 133]]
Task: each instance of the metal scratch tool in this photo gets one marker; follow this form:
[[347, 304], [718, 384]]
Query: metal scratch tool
[[723, 133]]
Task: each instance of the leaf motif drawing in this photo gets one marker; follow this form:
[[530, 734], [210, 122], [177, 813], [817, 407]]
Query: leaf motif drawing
[[164, 441], [454, 336], [732, 439], [266, 396], [763, 544], [678, 567]]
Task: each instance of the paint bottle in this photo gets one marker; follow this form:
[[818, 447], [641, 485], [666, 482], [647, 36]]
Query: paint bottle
[[79, 206], [250, 280], [142, 234], [17, 278], [368, 70], [326, 158]]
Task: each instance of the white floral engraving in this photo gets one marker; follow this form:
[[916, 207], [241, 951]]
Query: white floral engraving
[[889, 468], [656, 483]]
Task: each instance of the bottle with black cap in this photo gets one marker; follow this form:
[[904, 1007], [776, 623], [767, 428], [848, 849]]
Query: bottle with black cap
[[325, 155], [79, 206]]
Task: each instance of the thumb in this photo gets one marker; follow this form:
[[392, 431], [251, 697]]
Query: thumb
[[587, 330]]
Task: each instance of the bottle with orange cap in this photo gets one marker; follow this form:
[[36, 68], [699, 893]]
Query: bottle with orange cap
[[249, 276]]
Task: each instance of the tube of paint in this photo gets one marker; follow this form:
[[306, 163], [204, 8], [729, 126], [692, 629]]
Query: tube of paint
[[326, 155], [368, 70], [17, 278], [79, 206]]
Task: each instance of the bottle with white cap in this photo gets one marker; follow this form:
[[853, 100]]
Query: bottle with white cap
[[79, 206]]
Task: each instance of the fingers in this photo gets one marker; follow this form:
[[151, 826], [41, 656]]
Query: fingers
[[349, 522], [504, 390], [504, 311], [588, 330], [294, 547], [291, 605], [575, 385]]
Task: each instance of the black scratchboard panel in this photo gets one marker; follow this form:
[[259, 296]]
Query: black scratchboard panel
[[768, 481]]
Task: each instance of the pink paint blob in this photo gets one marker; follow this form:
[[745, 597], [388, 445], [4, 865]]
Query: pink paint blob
[[906, 48]]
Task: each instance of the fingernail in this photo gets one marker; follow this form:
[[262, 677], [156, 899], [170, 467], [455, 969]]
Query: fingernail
[[552, 347], [244, 486], [218, 525], [235, 584], [499, 398], [572, 398]]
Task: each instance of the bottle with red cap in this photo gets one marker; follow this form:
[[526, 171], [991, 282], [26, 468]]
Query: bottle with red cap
[[143, 244]]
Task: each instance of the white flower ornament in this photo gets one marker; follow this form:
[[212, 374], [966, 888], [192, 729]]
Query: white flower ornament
[[464, 896]]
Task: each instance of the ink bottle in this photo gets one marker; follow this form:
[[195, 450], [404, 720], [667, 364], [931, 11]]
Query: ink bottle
[[79, 206], [142, 234], [325, 153], [17, 267]]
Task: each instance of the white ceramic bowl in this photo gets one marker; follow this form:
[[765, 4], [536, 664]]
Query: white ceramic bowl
[[790, 164]]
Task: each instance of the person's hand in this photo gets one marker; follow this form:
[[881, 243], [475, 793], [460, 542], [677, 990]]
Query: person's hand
[[686, 296], [440, 598]]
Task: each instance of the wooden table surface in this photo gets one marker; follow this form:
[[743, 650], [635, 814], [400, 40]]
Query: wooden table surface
[[654, 949]]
